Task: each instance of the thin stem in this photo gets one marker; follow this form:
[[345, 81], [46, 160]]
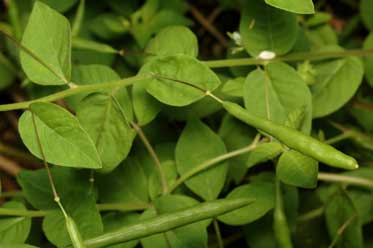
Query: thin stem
[[218, 234], [311, 56], [350, 180], [340, 137], [208, 26], [73, 91], [21, 212], [211, 162], [314, 213], [341, 230], [153, 155], [121, 207]]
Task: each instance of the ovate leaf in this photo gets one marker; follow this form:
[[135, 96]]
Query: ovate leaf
[[182, 68], [47, 36], [296, 6], [366, 8], [234, 87], [263, 153], [14, 230], [60, 6], [173, 40], [297, 169], [81, 206], [126, 184], [63, 140], [192, 150], [37, 190], [337, 82], [264, 195], [267, 94], [340, 211], [262, 27], [105, 121]]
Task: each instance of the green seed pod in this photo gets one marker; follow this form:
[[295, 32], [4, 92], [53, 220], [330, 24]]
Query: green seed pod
[[74, 233], [168, 221], [294, 139]]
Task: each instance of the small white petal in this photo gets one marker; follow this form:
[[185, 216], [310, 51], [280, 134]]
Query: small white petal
[[267, 55]]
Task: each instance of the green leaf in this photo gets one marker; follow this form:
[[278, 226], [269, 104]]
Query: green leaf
[[193, 235], [236, 135], [234, 87], [192, 150], [144, 26], [109, 26], [337, 82], [47, 36], [7, 72], [259, 234], [262, 27], [179, 67], [173, 40], [295, 6], [81, 206], [264, 152], [296, 169], [264, 195], [368, 61], [126, 184], [366, 9], [155, 187], [60, 6], [63, 140], [14, 230], [115, 221], [98, 74], [322, 36], [36, 187], [17, 246], [267, 94], [85, 44], [105, 121], [145, 106], [340, 211]]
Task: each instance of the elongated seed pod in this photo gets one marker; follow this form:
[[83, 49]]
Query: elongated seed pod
[[280, 225], [168, 221], [74, 233], [294, 139]]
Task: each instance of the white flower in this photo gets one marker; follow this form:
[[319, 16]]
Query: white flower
[[267, 55]]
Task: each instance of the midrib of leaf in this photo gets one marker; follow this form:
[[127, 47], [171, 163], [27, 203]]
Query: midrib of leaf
[[330, 77], [266, 92], [104, 122], [65, 140], [14, 221]]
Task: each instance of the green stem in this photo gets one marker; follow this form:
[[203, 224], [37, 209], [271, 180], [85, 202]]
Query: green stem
[[350, 180], [21, 212], [153, 155], [340, 137], [311, 214], [73, 91], [121, 207], [218, 234], [312, 56], [209, 163]]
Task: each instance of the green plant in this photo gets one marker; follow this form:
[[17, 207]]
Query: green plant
[[142, 144]]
